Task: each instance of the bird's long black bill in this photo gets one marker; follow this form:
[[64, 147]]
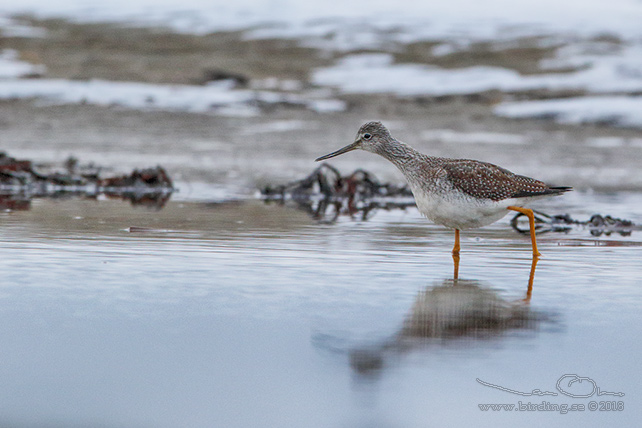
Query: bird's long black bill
[[346, 149]]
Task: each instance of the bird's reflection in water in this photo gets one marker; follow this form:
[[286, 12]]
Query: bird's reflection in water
[[453, 312], [531, 276], [461, 308]]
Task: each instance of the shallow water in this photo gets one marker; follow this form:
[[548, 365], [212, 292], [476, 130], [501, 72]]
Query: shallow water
[[247, 314], [219, 310]]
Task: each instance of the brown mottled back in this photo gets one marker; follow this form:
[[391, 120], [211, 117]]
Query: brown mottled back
[[488, 181]]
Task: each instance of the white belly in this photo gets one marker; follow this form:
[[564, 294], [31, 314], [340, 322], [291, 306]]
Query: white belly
[[457, 210]]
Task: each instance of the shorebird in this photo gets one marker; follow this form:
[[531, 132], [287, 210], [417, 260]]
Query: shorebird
[[456, 193]]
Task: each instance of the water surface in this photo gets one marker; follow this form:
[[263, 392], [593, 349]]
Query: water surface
[[246, 314]]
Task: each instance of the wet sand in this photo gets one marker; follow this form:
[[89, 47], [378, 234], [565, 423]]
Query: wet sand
[[244, 314], [221, 310], [282, 141]]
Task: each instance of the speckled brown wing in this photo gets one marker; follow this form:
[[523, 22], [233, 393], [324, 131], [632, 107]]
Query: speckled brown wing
[[488, 181]]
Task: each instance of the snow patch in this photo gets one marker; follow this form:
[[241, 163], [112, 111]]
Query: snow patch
[[12, 67], [12, 28], [376, 73], [618, 110], [218, 98], [360, 20]]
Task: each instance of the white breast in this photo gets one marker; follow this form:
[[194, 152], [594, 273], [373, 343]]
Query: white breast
[[457, 210]]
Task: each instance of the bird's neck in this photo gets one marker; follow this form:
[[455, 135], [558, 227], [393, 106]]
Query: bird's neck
[[404, 157]]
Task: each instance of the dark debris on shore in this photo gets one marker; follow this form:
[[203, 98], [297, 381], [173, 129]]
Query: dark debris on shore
[[21, 181], [597, 224], [326, 195]]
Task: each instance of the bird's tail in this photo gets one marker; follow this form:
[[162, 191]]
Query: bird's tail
[[558, 190]]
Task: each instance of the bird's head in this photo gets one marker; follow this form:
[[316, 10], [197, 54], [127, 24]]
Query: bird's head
[[370, 137]]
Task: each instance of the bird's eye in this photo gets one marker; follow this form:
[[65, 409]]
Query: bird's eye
[[367, 136]]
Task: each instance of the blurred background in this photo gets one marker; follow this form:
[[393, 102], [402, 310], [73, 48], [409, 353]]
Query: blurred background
[[241, 94], [220, 310]]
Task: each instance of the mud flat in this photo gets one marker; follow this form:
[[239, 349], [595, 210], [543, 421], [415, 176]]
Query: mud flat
[[274, 117]]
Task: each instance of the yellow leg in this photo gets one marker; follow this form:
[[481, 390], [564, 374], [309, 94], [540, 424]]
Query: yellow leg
[[456, 265], [456, 254], [531, 277], [531, 220], [456, 248]]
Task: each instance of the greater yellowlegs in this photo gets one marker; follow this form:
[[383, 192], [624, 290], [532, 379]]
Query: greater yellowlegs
[[456, 193]]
